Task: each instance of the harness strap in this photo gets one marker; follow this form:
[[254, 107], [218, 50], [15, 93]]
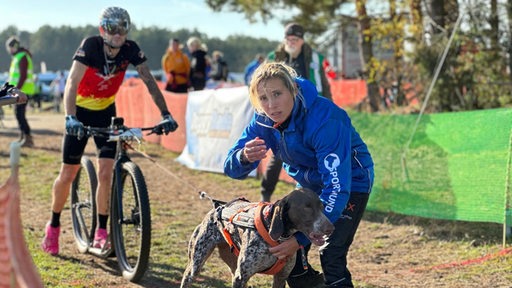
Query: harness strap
[[262, 230], [225, 232], [229, 239]]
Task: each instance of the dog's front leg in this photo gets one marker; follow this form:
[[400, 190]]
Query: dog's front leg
[[281, 276], [244, 270]]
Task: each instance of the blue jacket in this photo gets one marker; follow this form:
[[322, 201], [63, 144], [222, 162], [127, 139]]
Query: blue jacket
[[320, 149]]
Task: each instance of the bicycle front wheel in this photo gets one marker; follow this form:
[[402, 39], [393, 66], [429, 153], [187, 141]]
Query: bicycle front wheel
[[83, 204], [131, 222]]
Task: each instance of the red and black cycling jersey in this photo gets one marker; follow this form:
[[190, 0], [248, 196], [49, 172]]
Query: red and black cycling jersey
[[103, 75]]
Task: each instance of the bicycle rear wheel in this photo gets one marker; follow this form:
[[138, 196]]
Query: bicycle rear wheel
[[131, 222], [83, 204]]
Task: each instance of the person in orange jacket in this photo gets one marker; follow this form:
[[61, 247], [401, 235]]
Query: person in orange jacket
[[176, 66]]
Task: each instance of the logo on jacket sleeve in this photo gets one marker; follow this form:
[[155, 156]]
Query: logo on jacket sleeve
[[331, 162]]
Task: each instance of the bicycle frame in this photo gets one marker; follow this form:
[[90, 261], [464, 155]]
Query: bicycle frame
[[122, 234]]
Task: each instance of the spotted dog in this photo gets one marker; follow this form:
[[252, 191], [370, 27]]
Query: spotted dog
[[244, 231]]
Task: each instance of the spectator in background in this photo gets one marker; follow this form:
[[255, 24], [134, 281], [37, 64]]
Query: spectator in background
[[307, 63], [208, 60], [251, 67], [197, 63], [60, 85], [219, 67], [176, 66], [36, 98], [21, 75]]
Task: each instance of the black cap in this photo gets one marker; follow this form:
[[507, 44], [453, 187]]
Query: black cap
[[294, 29]]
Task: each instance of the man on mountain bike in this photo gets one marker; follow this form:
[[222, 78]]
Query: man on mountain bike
[[97, 72]]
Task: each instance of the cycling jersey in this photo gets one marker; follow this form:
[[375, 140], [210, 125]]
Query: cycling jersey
[[103, 76]]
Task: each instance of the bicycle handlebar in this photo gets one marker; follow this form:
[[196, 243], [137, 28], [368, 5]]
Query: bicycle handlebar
[[8, 95], [121, 134], [8, 99]]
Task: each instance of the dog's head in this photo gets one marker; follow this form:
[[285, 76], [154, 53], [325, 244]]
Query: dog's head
[[301, 210]]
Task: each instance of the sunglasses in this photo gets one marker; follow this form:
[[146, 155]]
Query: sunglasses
[[115, 26]]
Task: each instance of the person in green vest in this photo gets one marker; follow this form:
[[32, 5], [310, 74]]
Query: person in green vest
[[21, 75]]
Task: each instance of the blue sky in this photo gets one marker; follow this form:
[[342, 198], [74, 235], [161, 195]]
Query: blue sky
[[169, 14]]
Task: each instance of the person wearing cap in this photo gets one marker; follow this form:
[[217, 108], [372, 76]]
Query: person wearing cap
[[176, 66], [97, 71], [21, 75], [295, 52]]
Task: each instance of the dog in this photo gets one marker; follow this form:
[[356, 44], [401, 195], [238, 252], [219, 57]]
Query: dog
[[235, 228]]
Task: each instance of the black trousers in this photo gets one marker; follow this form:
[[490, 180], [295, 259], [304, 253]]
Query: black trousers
[[271, 177], [333, 255], [20, 112]]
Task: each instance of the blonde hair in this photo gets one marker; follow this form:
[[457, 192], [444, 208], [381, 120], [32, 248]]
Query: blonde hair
[[194, 42], [271, 70], [217, 53]]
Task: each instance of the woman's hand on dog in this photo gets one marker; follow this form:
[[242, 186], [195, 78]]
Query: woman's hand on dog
[[286, 248], [255, 150]]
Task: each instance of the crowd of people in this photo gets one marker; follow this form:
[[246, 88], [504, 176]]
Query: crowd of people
[[309, 135], [191, 70]]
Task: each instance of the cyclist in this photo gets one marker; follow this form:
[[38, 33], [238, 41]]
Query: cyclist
[[97, 71]]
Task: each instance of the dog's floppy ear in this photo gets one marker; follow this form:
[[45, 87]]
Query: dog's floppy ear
[[276, 228]]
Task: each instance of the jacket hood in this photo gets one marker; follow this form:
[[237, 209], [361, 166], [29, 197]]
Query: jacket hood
[[307, 92]]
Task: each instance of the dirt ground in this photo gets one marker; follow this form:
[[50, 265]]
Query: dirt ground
[[389, 250]]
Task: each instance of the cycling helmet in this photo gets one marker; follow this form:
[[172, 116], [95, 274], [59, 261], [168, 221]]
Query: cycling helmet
[[114, 20]]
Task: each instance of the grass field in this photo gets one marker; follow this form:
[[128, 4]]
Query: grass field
[[390, 250]]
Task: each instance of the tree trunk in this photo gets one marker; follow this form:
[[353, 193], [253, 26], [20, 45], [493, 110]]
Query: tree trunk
[[366, 50], [494, 22], [438, 16], [509, 14]]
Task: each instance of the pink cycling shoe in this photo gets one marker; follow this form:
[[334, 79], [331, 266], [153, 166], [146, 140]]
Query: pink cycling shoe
[[101, 239], [50, 242]]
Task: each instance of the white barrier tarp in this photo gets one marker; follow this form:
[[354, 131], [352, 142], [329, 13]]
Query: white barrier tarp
[[215, 119]]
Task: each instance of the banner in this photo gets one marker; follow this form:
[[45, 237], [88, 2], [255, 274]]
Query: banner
[[215, 120]]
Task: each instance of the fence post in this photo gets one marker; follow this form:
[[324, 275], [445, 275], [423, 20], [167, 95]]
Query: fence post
[[507, 223]]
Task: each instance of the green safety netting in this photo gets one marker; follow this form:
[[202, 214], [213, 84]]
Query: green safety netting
[[456, 166]]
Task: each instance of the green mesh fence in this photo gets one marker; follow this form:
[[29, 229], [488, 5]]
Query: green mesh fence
[[457, 166]]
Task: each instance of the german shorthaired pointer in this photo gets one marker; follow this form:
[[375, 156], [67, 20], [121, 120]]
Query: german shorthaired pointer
[[235, 229]]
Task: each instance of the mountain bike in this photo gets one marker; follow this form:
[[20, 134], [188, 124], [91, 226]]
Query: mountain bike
[[130, 219]]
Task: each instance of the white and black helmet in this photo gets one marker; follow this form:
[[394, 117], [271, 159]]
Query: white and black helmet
[[115, 20]]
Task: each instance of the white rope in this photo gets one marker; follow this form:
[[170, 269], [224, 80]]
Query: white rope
[[429, 92]]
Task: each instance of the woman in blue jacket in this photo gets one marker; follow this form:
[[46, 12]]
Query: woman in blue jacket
[[321, 150]]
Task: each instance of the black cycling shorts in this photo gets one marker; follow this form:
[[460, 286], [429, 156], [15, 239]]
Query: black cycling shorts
[[73, 149]]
